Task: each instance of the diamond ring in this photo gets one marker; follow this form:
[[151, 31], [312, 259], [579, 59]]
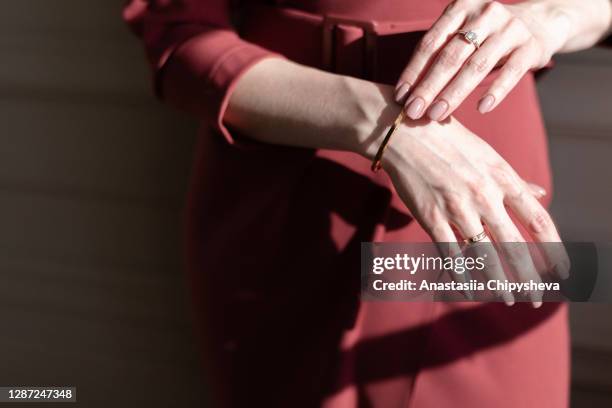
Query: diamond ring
[[470, 36]]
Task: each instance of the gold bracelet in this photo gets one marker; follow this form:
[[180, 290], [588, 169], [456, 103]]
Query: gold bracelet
[[376, 163]]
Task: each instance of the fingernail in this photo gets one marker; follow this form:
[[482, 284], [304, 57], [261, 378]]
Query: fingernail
[[540, 191], [437, 110], [508, 298], [415, 109], [537, 190], [562, 270], [401, 92], [486, 104], [537, 305]]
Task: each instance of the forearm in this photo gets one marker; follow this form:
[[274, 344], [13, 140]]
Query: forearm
[[280, 102], [569, 25]]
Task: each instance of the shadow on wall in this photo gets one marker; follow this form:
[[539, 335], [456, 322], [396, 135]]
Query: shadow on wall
[[92, 181]]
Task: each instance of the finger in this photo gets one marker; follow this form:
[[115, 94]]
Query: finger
[[449, 21], [517, 65], [514, 250], [519, 199], [449, 61], [442, 233], [486, 250], [446, 64], [536, 190], [471, 227], [541, 227], [477, 67], [447, 244]]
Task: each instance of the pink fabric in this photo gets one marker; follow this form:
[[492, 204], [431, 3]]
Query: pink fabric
[[208, 45], [274, 236]]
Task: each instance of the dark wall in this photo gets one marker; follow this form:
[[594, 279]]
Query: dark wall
[[576, 98], [92, 179]]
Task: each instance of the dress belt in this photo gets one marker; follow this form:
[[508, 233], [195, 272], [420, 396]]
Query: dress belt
[[365, 49]]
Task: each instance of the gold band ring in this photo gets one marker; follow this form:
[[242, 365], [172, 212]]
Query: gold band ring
[[476, 238]]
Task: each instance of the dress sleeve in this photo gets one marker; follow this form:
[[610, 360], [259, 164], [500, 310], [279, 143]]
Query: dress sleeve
[[210, 56]]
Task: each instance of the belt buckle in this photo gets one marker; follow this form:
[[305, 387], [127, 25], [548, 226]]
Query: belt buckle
[[371, 31]]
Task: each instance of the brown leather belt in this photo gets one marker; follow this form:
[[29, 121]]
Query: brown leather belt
[[366, 49]]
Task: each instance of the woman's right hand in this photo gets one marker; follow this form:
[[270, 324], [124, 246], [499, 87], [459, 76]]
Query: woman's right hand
[[450, 178]]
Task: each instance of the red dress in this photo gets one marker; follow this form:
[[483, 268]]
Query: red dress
[[274, 234]]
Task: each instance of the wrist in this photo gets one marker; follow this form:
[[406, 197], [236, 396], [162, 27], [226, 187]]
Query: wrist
[[403, 152], [373, 111]]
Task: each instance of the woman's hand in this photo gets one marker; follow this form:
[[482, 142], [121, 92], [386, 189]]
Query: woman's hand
[[447, 176], [446, 67], [450, 179]]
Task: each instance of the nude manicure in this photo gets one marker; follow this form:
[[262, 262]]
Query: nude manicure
[[415, 109], [486, 104], [402, 92], [508, 298], [438, 110]]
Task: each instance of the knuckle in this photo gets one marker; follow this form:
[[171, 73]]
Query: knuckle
[[537, 53], [456, 206], [516, 25], [514, 68], [495, 221], [478, 64], [482, 200], [488, 199], [449, 58], [475, 183], [493, 7], [507, 180], [427, 45], [540, 221], [430, 215], [516, 194]]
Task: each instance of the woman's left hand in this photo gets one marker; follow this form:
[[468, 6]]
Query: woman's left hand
[[446, 66]]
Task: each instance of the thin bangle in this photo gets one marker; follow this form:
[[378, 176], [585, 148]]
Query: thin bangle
[[376, 163]]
